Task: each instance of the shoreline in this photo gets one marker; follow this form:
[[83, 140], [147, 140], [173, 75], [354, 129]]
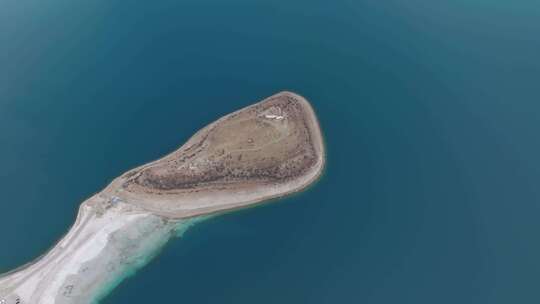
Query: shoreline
[[121, 228]]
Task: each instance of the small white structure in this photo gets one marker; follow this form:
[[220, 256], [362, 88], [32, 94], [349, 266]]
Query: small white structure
[[272, 116]]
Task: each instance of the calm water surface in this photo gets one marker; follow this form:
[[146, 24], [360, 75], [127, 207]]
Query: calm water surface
[[430, 111]]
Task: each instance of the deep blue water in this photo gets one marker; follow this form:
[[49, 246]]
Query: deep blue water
[[430, 111]]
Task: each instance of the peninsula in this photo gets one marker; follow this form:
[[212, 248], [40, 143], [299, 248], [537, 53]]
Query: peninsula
[[266, 150]]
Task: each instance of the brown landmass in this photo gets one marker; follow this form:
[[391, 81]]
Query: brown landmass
[[265, 150]]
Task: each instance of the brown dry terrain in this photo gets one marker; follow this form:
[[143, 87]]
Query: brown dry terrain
[[265, 150]]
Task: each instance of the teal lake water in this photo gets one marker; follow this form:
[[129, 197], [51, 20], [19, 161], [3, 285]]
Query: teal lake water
[[430, 109]]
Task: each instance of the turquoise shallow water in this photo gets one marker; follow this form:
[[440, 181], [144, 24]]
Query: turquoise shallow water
[[430, 112], [153, 234]]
